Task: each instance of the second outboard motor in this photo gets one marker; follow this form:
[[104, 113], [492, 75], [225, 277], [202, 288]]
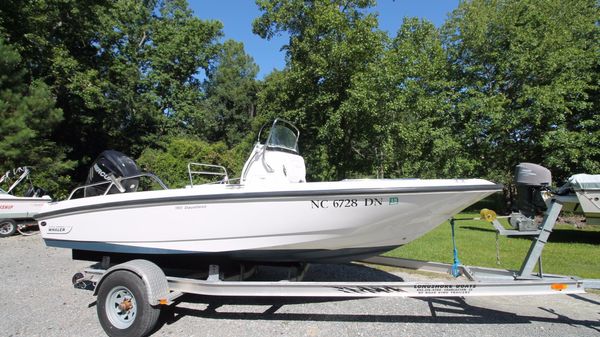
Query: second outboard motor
[[531, 181], [110, 165]]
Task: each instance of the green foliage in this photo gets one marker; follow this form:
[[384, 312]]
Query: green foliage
[[28, 117], [525, 71], [181, 45], [331, 42], [170, 161], [407, 96], [504, 82], [231, 90], [569, 251], [124, 72]]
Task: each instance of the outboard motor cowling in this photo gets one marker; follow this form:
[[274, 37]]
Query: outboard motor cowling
[[531, 180], [110, 165]]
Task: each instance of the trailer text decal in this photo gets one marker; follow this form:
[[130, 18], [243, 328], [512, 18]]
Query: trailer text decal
[[444, 289]]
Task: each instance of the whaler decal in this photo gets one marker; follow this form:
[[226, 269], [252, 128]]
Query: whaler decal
[[6, 206], [59, 229]]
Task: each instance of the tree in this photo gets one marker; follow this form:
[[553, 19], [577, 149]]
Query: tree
[[181, 48], [145, 85], [330, 43], [231, 90], [28, 116], [125, 73], [525, 71], [408, 95]]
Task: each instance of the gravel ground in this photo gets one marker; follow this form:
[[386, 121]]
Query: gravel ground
[[38, 300]]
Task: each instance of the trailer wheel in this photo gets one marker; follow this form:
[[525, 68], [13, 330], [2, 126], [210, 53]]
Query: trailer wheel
[[8, 227], [123, 307]]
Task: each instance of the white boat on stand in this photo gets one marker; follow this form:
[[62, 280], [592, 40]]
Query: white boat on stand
[[270, 216], [581, 193]]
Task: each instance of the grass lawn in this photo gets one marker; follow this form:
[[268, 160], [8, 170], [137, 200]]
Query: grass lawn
[[570, 251]]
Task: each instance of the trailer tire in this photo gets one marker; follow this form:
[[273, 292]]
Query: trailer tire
[[8, 227], [123, 306]]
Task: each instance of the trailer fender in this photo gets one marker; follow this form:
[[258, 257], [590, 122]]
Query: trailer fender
[[154, 278]]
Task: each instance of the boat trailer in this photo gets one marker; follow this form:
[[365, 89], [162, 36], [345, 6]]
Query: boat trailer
[[131, 294]]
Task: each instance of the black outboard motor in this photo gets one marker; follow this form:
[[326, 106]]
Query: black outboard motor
[[531, 180], [112, 164], [35, 191]]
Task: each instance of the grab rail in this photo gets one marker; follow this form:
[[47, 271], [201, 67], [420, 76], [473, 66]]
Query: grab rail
[[22, 171], [116, 182], [210, 173]]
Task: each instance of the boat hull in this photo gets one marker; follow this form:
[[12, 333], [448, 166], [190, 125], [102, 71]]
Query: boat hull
[[273, 257], [313, 222], [18, 208]]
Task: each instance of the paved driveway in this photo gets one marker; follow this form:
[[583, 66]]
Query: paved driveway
[[37, 299]]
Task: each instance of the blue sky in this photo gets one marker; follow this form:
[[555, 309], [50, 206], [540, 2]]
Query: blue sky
[[237, 17]]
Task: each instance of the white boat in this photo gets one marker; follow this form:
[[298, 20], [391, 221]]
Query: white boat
[[16, 211], [581, 194], [270, 215]]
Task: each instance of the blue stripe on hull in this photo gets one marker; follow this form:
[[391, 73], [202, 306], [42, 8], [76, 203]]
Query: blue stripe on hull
[[111, 248]]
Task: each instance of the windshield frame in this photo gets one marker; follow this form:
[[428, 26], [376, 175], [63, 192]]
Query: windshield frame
[[277, 137]]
